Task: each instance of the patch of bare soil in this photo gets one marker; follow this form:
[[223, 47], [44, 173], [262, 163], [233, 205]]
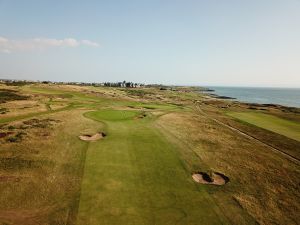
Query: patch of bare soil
[[215, 178], [9, 178], [94, 137], [25, 216]]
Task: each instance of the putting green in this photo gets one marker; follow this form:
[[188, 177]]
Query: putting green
[[281, 126], [112, 115], [134, 176]]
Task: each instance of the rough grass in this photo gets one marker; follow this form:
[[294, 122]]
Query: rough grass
[[40, 177], [278, 141], [134, 176], [10, 95], [260, 180], [140, 173], [284, 127], [3, 110]]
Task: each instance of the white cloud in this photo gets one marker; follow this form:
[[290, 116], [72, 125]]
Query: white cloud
[[90, 43], [8, 45]]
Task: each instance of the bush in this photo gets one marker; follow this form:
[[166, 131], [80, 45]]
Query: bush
[[3, 110], [12, 139], [17, 138], [9, 95], [11, 127]]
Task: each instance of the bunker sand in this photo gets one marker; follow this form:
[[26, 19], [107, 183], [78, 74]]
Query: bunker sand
[[94, 137], [215, 179]]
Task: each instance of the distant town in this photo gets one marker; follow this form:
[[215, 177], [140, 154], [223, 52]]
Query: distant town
[[124, 84]]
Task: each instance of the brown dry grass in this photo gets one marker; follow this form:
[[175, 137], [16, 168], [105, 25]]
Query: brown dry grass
[[51, 165], [22, 107], [263, 183]]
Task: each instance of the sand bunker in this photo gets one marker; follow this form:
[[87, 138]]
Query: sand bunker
[[141, 116], [215, 178], [94, 137]]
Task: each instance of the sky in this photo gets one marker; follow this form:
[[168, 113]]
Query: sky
[[180, 42]]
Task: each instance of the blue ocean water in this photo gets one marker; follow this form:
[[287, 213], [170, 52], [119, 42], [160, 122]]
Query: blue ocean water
[[281, 96]]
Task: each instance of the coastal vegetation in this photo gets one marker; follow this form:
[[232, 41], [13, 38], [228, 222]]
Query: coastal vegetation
[[145, 155], [284, 127]]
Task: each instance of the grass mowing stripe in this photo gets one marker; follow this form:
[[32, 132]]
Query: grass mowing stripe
[[134, 176], [284, 127]]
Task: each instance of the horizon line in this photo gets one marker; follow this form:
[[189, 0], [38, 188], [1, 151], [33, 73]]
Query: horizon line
[[166, 84]]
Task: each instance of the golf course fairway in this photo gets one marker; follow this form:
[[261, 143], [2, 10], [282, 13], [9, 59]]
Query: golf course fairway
[[284, 127], [134, 176]]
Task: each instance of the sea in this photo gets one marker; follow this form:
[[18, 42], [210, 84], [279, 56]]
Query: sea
[[282, 96]]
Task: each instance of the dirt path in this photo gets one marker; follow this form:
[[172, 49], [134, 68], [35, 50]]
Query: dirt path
[[286, 155]]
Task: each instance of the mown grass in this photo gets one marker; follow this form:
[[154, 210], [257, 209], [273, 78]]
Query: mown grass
[[68, 94], [112, 115], [284, 127], [140, 173], [134, 176], [152, 106]]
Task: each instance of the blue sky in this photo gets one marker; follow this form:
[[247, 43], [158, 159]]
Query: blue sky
[[211, 42]]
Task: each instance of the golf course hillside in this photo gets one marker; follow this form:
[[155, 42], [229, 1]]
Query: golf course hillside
[[90, 155]]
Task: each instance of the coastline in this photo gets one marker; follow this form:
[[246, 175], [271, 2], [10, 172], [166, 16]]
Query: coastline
[[212, 93]]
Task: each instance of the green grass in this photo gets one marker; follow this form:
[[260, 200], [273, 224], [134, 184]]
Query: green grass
[[140, 173], [71, 95], [14, 118], [113, 115], [134, 176], [153, 106], [284, 127]]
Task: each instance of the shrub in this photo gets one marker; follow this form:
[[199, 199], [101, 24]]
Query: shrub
[[11, 127], [3, 110], [9, 95], [12, 139]]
